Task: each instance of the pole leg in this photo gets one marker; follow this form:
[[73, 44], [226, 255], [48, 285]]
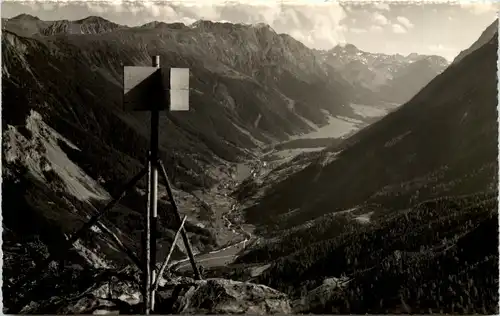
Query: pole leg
[[79, 233], [167, 259], [179, 220], [146, 245], [153, 223]]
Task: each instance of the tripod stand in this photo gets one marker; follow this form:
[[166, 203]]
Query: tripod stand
[[139, 91], [150, 279]]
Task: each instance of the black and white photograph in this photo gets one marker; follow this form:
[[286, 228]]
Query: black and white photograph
[[249, 157]]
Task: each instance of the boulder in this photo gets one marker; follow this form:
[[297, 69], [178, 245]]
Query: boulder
[[221, 296]]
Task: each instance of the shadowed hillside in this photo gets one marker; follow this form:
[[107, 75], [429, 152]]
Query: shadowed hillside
[[398, 208]]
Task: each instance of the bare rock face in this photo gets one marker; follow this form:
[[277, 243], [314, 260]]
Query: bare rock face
[[221, 296]]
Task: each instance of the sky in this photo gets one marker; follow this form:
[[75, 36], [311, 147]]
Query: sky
[[425, 27]]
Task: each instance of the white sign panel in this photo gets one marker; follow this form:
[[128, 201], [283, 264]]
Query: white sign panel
[[179, 89]]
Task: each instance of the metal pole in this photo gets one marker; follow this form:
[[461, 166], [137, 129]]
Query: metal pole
[[146, 244], [179, 220], [155, 122]]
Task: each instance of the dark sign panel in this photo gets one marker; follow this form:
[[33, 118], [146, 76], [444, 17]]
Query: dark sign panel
[[143, 89]]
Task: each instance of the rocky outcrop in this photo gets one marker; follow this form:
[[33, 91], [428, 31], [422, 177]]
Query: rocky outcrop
[[119, 293], [221, 296]]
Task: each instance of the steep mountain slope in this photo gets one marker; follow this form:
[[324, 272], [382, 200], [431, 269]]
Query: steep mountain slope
[[390, 78], [415, 191], [485, 37]]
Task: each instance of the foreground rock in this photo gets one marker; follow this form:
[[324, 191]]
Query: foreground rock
[[108, 292], [221, 296], [119, 293]]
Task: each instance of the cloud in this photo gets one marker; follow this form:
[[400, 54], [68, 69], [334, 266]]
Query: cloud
[[441, 48], [320, 26], [376, 28], [479, 8], [447, 52], [379, 18], [357, 30], [405, 22], [382, 6], [436, 47], [398, 29]]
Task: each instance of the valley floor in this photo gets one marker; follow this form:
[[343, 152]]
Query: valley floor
[[230, 230]]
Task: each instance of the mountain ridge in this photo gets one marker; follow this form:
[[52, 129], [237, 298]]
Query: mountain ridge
[[392, 78], [379, 68]]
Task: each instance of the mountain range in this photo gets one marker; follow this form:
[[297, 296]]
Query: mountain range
[[68, 146], [391, 78]]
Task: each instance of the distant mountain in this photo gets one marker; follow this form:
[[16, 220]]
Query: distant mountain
[[383, 74], [27, 25], [399, 208], [89, 25]]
